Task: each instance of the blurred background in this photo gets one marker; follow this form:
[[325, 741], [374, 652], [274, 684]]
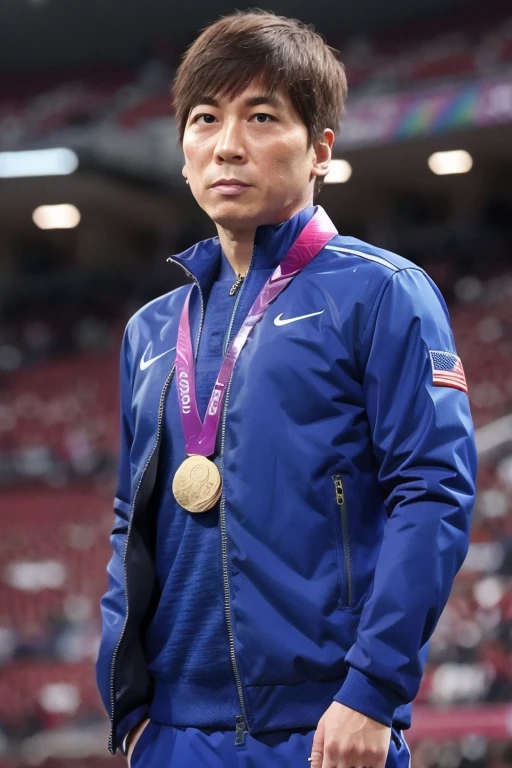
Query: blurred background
[[87, 219]]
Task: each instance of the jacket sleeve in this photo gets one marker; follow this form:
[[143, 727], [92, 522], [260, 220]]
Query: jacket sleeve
[[113, 602], [424, 448]]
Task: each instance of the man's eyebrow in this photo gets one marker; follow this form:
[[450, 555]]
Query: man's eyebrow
[[269, 99], [253, 101]]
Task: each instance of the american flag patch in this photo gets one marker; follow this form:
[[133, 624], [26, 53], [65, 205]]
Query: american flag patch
[[447, 370]]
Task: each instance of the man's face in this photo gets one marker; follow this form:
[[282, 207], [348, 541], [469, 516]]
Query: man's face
[[259, 141]]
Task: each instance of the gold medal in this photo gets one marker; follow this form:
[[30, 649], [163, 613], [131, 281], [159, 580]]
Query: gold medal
[[197, 485]]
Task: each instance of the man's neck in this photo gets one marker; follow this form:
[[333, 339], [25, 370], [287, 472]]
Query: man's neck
[[238, 248]]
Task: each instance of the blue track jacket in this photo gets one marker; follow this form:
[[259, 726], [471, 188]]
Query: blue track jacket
[[348, 484]]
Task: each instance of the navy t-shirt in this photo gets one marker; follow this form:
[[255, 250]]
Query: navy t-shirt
[[187, 641]]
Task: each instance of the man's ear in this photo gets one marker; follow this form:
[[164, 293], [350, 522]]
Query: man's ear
[[323, 153]]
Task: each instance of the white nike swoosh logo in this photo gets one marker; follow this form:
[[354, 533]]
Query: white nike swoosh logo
[[279, 319], [146, 363]]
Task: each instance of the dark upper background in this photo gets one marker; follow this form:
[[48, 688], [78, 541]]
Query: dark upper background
[[36, 34]]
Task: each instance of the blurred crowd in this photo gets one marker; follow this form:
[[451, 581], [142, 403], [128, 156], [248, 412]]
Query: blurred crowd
[[476, 44]]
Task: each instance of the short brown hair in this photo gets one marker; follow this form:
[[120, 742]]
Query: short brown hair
[[256, 45]]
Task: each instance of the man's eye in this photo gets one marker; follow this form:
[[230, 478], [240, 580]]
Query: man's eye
[[205, 115], [263, 115]]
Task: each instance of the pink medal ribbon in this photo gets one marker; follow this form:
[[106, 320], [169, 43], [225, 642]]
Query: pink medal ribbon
[[200, 437]]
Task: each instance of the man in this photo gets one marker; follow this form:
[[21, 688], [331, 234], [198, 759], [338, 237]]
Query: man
[[297, 460]]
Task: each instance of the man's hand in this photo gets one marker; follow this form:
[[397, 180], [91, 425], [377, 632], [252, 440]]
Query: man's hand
[[133, 738], [347, 739]]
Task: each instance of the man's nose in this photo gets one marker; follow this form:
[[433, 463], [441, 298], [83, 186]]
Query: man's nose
[[230, 145]]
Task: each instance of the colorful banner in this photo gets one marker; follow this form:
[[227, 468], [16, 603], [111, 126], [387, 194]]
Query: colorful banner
[[394, 116]]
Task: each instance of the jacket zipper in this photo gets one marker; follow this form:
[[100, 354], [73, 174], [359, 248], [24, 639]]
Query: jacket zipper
[[236, 285], [158, 437], [241, 722], [339, 493]]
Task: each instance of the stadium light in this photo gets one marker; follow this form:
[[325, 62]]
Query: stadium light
[[38, 162], [56, 216], [445, 163], [340, 171]]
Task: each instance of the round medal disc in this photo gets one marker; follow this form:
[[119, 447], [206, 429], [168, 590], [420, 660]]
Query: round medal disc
[[197, 485]]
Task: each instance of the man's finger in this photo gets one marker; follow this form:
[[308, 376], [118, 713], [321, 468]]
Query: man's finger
[[317, 749]]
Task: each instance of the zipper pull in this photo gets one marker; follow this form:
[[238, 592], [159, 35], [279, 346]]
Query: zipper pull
[[241, 730], [236, 285], [338, 489]]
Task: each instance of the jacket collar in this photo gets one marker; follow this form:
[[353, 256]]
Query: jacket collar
[[205, 260]]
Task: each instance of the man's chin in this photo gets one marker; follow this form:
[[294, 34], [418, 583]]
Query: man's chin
[[234, 213]]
